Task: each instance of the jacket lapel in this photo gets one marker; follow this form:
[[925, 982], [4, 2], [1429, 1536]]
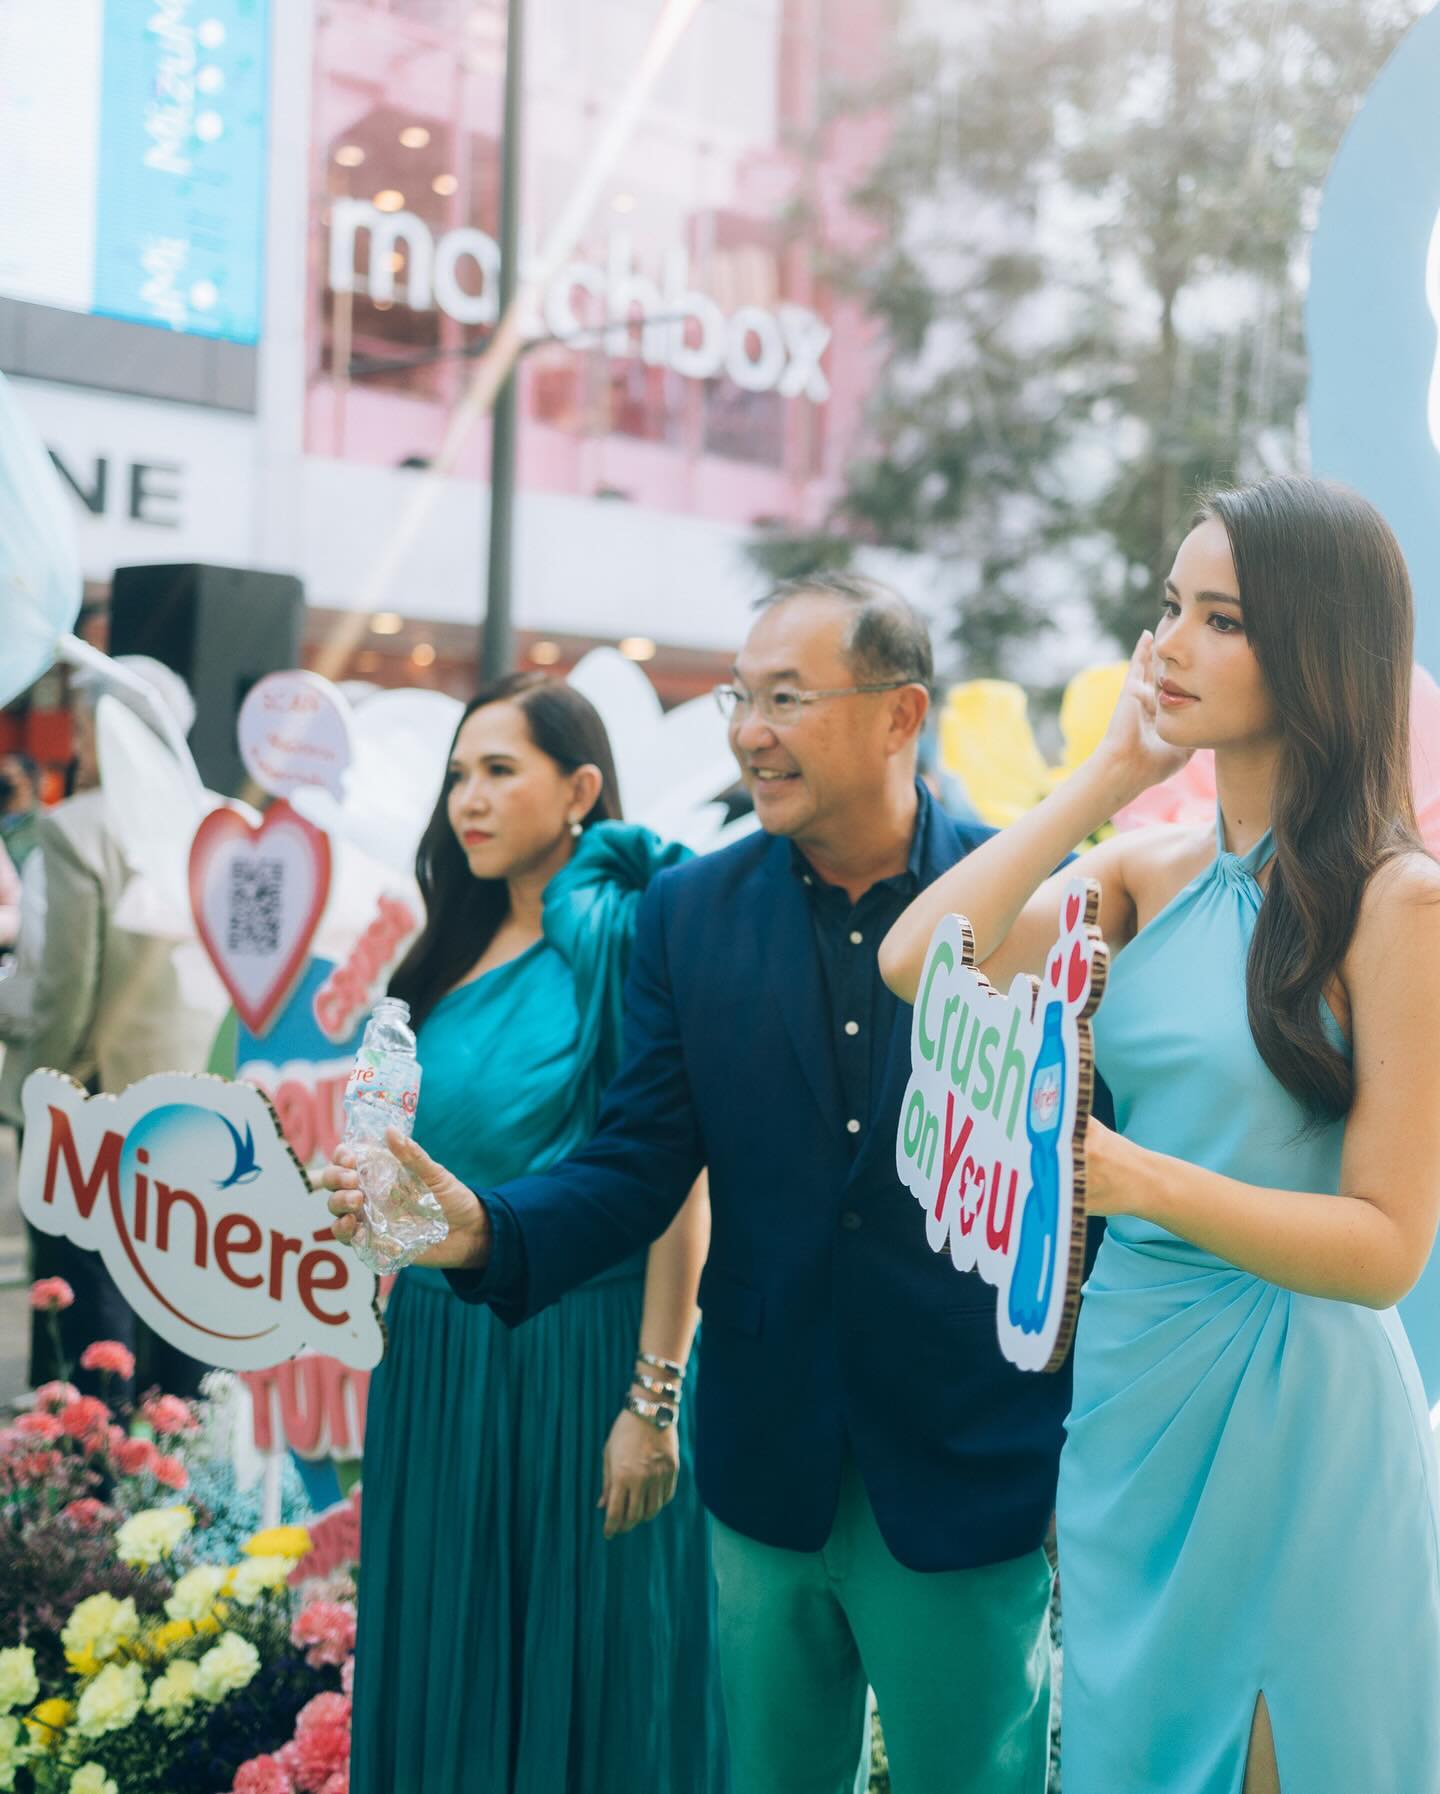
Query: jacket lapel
[[797, 985]]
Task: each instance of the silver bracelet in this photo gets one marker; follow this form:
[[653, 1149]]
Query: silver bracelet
[[669, 1392], [666, 1364], [659, 1414]]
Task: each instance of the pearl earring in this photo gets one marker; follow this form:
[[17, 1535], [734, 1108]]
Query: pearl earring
[[576, 830]]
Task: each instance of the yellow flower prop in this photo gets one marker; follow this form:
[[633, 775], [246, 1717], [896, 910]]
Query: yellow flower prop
[[18, 1683], [169, 1637], [251, 1579], [111, 1700], [48, 1721], [195, 1594], [96, 1630], [90, 1778], [986, 740], [279, 1541], [173, 1692], [228, 1666], [145, 1538]]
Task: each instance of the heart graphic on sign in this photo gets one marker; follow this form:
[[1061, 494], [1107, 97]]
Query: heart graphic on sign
[[257, 896]]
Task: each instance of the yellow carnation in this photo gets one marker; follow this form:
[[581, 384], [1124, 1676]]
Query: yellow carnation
[[279, 1541], [169, 1637], [194, 1594], [18, 1686], [48, 1721], [96, 1629], [90, 1778], [145, 1538], [249, 1580], [111, 1701], [173, 1692], [12, 1751], [226, 1667]]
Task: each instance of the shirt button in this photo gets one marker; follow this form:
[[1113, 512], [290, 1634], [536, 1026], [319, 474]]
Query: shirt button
[[856, 937], [849, 1220], [852, 1127], [852, 1027]]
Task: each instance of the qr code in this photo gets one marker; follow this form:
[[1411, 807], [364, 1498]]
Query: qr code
[[256, 886]]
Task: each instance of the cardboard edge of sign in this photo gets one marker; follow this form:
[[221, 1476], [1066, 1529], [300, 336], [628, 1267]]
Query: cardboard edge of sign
[[213, 1077], [1099, 954]]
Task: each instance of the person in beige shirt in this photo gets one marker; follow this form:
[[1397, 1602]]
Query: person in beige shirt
[[107, 1006]]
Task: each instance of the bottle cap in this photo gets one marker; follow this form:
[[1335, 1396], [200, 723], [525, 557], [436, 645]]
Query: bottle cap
[[393, 1006]]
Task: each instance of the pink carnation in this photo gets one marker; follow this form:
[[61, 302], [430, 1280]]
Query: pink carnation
[[168, 1415], [55, 1395], [327, 1628], [347, 1677], [263, 1775], [86, 1418], [86, 1515], [39, 1426], [339, 1783], [51, 1292], [170, 1471], [323, 1709], [109, 1355], [317, 1754], [135, 1457], [39, 1467]]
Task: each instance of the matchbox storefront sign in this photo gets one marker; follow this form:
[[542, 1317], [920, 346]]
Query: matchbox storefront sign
[[992, 1131], [186, 1188]]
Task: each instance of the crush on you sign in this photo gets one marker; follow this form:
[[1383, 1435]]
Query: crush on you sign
[[992, 1130], [186, 1188]]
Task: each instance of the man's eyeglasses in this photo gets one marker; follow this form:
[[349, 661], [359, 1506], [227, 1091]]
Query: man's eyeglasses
[[784, 704]]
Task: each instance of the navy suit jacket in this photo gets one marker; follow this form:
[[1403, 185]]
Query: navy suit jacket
[[829, 1326]]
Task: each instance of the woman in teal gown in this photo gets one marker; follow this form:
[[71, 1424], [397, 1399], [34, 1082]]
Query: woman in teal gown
[[1248, 1501], [506, 1644]]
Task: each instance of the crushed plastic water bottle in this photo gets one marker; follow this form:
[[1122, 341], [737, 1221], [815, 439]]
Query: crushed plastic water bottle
[[400, 1217]]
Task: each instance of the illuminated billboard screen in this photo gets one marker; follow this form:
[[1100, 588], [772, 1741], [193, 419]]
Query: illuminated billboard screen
[[132, 135]]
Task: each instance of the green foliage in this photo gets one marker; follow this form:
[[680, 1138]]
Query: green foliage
[[1091, 226]]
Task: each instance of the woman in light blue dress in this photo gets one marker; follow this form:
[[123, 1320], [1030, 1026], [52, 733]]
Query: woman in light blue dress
[[516, 1636], [1249, 1545]]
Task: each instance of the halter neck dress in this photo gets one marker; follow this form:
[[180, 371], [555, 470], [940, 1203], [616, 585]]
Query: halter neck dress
[[1248, 1491]]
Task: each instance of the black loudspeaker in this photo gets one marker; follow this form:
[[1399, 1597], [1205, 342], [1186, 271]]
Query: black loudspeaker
[[221, 629]]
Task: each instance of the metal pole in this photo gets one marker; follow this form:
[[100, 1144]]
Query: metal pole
[[497, 644]]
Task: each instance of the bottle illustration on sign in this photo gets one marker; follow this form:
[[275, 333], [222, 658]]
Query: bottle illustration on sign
[[1034, 1274]]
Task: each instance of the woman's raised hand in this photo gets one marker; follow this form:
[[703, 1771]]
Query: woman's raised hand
[[1131, 743]]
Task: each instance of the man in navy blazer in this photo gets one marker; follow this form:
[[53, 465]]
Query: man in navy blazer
[[880, 1477]]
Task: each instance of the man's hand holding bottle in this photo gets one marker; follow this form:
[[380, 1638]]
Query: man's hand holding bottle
[[465, 1248]]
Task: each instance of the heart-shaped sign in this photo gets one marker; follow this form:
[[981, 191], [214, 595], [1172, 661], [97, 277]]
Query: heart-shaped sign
[[257, 896]]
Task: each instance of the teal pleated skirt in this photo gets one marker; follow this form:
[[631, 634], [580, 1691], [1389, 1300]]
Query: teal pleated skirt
[[504, 1646]]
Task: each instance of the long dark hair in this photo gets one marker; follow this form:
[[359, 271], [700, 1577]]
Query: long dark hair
[[1328, 609], [462, 912]]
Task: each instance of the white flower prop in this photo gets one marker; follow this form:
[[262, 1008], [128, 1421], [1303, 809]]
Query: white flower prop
[[19, 1685], [256, 1576], [173, 1693], [111, 1700], [13, 1751], [147, 1537], [100, 1624], [90, 1778], [196, 1593], [228, 1666]]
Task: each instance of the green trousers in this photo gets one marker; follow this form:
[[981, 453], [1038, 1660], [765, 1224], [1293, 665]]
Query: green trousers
[[959, 1661]]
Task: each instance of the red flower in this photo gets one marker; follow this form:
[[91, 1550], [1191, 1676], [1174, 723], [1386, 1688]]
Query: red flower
[[339, 1783], [53, 1293], [170, 1471], [39, 1467], [168, 1415], [86, 1515], [86, 1418], [135, 1457], [109, 1355], [327, 1628], [55, 1395], [39, 1426], [263, 1775], [324, 1709]]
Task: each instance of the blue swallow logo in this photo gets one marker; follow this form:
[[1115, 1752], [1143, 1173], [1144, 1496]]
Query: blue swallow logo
[[245, 1169]]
